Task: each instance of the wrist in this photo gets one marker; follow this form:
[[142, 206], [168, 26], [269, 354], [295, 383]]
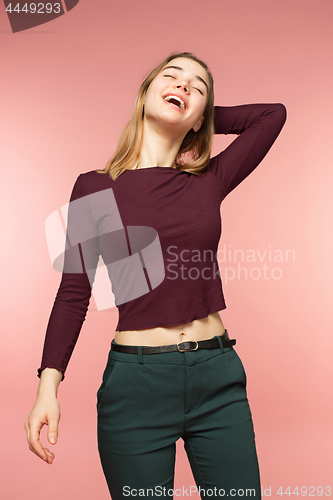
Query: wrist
[[49, 382]]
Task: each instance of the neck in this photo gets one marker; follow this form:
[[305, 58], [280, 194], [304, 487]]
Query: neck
[[159, 148]]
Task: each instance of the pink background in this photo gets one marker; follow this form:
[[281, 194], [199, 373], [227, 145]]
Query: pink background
[[67, 90]]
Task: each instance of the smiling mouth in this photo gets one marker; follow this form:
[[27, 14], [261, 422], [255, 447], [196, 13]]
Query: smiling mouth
[[177, 101]]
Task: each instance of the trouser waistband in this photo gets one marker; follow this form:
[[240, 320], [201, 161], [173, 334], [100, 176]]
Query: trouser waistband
[[191, 345]]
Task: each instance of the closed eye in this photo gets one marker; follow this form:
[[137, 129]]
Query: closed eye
[[195, 88]]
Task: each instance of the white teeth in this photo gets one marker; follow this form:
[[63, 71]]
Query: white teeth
[[182, 104]]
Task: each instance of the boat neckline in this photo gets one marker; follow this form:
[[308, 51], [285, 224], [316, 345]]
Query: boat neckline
[[149, 168], [155, 166]]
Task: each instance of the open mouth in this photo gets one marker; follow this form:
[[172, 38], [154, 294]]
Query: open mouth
[[177, 101]]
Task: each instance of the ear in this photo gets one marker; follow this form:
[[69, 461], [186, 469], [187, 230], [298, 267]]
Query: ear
[[198, 124]]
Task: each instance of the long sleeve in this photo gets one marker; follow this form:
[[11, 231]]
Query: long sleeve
[[72, 299], [258, 126]]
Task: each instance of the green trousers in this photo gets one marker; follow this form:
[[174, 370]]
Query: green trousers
[[146, 402]]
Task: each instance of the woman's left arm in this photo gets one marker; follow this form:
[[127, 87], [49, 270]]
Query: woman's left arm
[[258, 126]]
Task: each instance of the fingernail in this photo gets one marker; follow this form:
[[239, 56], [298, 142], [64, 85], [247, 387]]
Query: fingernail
[[52, 439]]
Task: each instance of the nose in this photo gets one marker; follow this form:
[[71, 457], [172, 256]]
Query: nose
[[183, 86]]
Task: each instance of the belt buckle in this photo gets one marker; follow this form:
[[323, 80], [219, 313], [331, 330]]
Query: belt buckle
[[187, 342]]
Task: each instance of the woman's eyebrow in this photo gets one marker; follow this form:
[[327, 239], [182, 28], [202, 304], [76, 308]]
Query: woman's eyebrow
[[196, 76]]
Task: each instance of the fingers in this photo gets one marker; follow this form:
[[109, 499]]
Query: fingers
[[33, 434], [33, 427], [46, 411], [52, 434]]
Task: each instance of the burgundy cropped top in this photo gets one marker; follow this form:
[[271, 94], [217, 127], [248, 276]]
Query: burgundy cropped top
[[157, 230]]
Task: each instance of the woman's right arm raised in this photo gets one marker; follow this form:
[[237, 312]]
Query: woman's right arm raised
[[46, 410]]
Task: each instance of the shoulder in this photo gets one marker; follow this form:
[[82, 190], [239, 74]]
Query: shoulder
[[93, 176], [90, 182]]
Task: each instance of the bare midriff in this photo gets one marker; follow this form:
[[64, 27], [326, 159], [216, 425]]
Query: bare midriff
[[199, 329]]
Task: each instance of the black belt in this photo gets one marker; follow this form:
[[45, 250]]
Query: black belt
[[191, 345]]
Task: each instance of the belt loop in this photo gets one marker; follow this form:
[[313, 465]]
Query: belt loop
[[220, 342], [140, 356]]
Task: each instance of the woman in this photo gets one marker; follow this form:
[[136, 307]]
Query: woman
[[172, 370]]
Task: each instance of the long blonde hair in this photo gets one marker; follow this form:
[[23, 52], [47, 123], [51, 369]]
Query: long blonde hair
[[194, 153]]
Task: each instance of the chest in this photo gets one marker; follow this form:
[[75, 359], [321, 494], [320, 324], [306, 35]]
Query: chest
[[185, 212]]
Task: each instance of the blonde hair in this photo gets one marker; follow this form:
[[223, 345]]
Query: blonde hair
[[194, 153]]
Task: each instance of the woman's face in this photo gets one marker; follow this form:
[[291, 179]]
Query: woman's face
[[176, 99]]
